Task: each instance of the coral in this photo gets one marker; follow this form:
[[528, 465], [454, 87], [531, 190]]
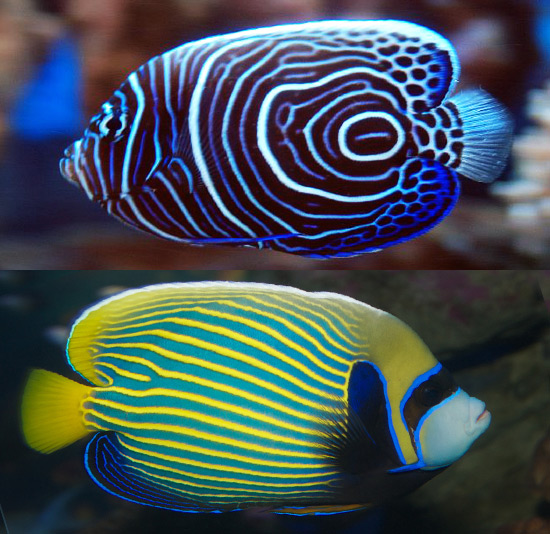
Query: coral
[[536, 525], [527, 196], [540, 483], [540, 473]]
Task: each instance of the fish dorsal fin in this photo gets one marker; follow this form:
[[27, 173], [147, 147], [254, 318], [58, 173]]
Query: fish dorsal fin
[[109, 469], [421, 61], [320, 510], [103, 321], [84, 344], [116, 318], [105, 337], [422, 64]]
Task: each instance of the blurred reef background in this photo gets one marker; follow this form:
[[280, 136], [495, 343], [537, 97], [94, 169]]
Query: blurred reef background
[[60, 59], [490, 328]]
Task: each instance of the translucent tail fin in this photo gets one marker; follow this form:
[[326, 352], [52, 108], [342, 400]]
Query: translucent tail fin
[[50, 412], [487, 128], [4, 522]]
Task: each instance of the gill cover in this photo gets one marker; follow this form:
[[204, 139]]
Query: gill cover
[[401, 359], [448, 430]]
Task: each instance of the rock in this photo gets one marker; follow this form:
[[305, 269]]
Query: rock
[[489, 486], [535, 525], [540, 474]]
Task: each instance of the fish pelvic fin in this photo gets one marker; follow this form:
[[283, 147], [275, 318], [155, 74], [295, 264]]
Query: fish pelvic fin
[[487, 135], [51, 416], [320, 510]]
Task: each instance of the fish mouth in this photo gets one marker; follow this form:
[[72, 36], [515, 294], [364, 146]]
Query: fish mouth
[[483, 415], [479, 418], [67, 165], [482, 421]]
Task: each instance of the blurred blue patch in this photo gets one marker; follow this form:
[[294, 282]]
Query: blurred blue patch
[[542, 29], [50, 104]]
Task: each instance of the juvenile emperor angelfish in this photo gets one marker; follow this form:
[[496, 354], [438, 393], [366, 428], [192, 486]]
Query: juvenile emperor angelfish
[[218, 396], [323, 139]]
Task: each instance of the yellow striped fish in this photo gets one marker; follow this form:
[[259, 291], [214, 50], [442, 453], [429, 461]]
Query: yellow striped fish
[[217, 396]]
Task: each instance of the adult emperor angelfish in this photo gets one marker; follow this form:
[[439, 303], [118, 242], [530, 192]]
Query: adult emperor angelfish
[[323, 139], [219, 396]]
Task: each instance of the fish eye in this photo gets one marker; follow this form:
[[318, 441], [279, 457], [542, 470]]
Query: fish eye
[[112, 122], [429, 394]]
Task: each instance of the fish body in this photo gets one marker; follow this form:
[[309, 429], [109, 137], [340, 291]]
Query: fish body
[[215, 396], [322, 139]]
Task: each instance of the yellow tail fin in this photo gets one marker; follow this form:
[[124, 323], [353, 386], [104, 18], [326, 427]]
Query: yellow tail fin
[[50, 412]]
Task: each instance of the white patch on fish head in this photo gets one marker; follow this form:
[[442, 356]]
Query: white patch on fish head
[[448, 429], [67, 163], [74, 166], [93, 162]]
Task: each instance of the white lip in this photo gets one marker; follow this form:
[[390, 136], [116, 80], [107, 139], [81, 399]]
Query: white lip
[[451, 428], [67, 163], [485, 413], [480, 417]]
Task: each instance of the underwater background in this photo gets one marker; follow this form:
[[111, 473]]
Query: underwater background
[[489, 328], [60, 59]]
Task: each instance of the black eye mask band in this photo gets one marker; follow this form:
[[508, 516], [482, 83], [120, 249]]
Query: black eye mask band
[[112, 124], [429, 393]]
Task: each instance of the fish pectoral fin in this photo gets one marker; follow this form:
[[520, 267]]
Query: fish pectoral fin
[[114, 473], [359, 427], [320, 510], [173, 175]]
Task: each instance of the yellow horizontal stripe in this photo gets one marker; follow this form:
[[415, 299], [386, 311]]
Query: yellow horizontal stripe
[[107, 380], [222, 387], [317, 303], [130, 312], [195, 449], [218, 422], [206, 436], [208, 401], [234, 496], [233, 354], [202, 476], [252, 324], [316, 326], [193, 306], [125, 373], [199, 362], [224, 468]]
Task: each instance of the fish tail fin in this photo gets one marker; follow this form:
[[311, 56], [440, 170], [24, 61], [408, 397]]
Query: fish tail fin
[[51, 416], [487, 135]]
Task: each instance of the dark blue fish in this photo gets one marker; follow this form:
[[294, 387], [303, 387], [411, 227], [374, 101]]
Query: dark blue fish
[[323, 139], [217, 396]]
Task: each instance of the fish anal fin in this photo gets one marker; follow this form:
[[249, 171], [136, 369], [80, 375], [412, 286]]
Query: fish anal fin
[[109, 470]]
